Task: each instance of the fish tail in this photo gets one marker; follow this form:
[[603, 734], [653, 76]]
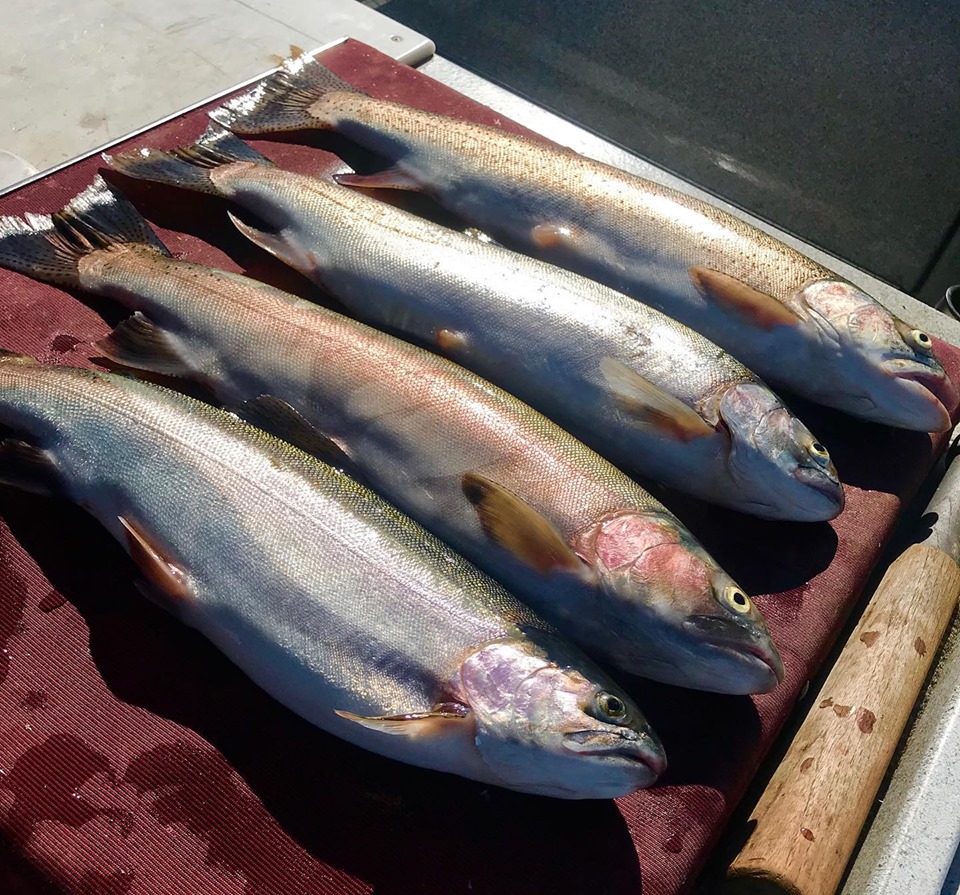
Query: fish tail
[[283, 101], [49, 247], [188, 166]]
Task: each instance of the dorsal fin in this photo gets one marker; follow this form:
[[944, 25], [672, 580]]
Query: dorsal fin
[[388, 179], [285, 422]]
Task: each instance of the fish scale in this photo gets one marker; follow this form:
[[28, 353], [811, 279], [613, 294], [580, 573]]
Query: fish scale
[[640, 388], [788, 318], [336, 604], [588, 548]]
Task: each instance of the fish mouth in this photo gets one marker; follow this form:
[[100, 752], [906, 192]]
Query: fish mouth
[[769, 663], [619, 745], [934, 388], [824, 483], [740, 644]]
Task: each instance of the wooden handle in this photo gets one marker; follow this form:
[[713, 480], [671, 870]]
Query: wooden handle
[[809, 818]]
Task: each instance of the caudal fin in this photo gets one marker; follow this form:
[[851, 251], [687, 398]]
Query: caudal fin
[[283, 101], [187, 166], [49, 247]]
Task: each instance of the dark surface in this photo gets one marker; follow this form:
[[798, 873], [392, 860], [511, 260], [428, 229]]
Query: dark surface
[[837, 122], [135, 758]]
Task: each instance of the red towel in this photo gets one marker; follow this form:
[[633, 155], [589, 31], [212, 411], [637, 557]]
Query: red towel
[[134, 758]]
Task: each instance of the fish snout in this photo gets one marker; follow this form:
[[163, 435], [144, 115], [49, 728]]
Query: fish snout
[[625, 743], [825, 480], [931, 394], [747, 644]]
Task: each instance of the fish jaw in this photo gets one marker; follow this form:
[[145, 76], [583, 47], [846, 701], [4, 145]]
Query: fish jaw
[[627, 748], [540, 729], [742, 650], [780, 469], [920, 395]]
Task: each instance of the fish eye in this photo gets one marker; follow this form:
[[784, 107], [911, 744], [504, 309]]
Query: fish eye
[[611, 707], [819, 452], [920, 340], [737, 600], [916, 339]]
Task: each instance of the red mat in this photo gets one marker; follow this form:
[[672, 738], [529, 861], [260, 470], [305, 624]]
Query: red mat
[[135, 759]]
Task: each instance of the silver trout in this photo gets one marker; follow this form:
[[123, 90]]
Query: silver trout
[[794, 322], [563, 529], [641, 389], [335, 603]]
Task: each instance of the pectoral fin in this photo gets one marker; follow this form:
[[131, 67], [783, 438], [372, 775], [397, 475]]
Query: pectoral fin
[[751, 305], [390, 179], [28, 467], [651, 405], [139, 343], [443, 720], [519, 528], [162, 573], [287, 423]]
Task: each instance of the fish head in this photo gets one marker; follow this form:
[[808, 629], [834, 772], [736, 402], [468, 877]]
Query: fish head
[[777, 467], [672, 613], [549, 722], [886, 368]]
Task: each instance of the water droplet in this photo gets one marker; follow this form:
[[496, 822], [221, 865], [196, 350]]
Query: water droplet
[[44, 781], [64, 343], [674, 844], [51, 601], [11, 612], [34, 699], [117, 883]]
